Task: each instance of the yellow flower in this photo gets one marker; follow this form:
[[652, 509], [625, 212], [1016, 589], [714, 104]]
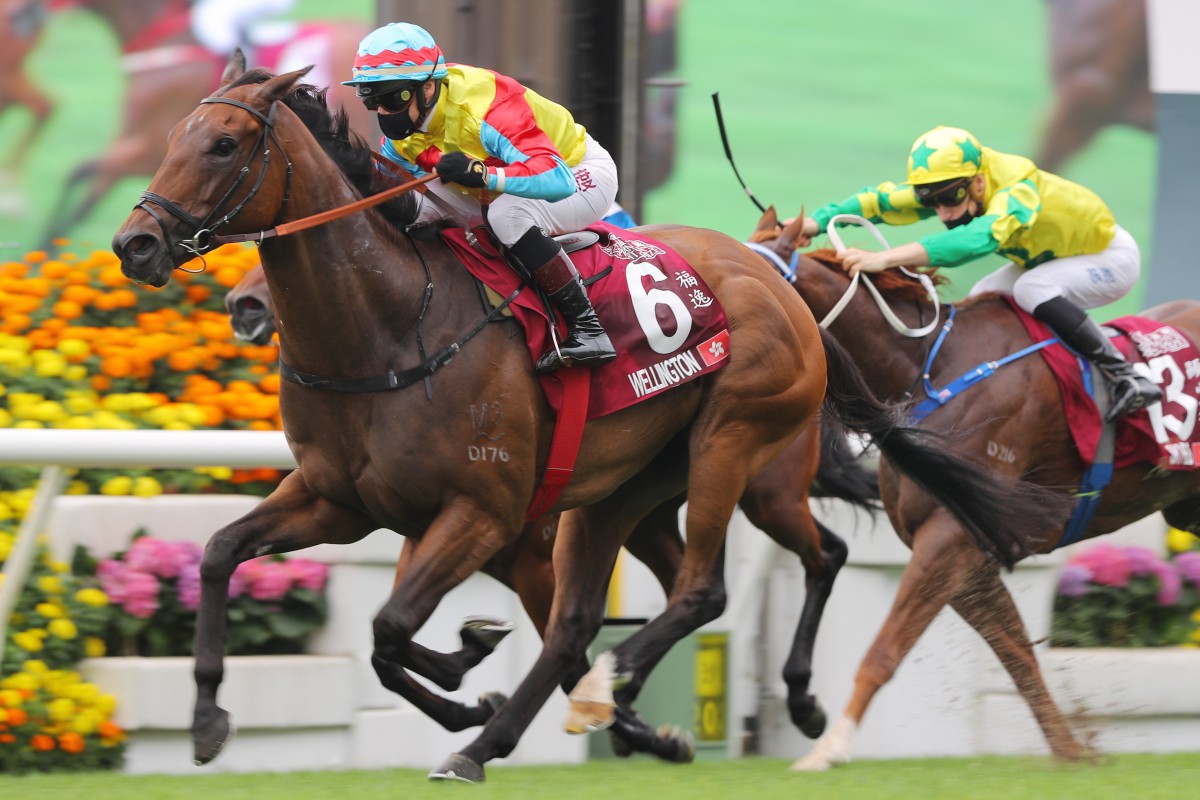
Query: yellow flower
[[145, 486], [120, 485], [1178, 541], [85, 694], [106, 704], [50, 584], [20, 682], [74, 347], [60, 567], [61, 710], [63, 629], [93, 647], [49, 610], [92, 597], [6, 540], [5, 418], [11, 698], [83, 724], [75, 372], [36, 666], [77, 487], [27, 642]]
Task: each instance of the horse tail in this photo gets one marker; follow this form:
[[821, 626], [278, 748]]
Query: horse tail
[[993, 509], [841, 474]]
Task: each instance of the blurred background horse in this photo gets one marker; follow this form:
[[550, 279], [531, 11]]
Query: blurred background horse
[[168, 71]]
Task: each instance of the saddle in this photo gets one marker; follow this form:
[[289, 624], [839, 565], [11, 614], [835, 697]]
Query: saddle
[[665, 322]]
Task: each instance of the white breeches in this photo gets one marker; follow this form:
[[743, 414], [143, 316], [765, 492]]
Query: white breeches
[[1087, 281]]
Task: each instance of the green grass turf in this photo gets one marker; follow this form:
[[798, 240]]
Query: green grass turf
[[1146, 777]]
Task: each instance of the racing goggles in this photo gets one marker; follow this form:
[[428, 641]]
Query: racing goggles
[[944, 193], [389, 97]]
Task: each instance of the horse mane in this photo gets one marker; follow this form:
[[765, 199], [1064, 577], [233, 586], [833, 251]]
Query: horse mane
[[349, 151], [890, 281]]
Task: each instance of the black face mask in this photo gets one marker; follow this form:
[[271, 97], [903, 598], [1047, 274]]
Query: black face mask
[[400, 125], [396, 126], [962, 219]]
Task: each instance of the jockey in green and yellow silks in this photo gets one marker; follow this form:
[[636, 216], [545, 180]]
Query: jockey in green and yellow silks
[[1066, 252]]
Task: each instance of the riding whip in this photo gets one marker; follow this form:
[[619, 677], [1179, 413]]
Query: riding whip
[[729, 153]]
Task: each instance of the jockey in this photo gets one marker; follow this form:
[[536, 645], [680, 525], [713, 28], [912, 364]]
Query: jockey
[[494, 143], [1066, 251]]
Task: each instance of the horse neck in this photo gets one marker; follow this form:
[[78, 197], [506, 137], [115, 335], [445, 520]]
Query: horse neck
[[344, 292], [892, 362]]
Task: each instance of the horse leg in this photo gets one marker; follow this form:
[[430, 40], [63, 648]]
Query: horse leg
[[291, 518], [776, 502], [585, 549], [987, 606], [942, 559]]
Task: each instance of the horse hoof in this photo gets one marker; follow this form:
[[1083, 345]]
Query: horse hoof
[[485, 630], [684, 750], [589, 716], [814, 726], [458, 768], [620, 747], [208, 741], [492, 701]]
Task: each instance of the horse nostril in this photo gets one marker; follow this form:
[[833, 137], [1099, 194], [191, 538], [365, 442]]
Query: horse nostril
[[247, 305]]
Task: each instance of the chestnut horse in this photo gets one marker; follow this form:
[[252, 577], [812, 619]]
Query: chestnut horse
[[358, 298], [776, 501], [168, 71], [1019, 408]]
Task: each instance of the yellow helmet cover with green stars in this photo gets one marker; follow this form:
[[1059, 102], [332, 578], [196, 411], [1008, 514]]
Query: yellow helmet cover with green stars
[[944, 154]]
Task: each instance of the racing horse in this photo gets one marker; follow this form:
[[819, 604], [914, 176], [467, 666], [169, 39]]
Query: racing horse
[[168, 71], [244, 163], [819, 464], [1017, 412]]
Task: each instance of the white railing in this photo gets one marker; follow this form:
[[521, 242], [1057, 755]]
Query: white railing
[[57, 451]]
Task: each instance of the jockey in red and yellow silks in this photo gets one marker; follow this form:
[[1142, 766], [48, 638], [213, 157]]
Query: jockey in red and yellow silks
[[1066, 252], [492, 140]]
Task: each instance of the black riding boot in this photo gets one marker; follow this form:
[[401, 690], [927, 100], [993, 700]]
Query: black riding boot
[[587, 343], [1130, 390]]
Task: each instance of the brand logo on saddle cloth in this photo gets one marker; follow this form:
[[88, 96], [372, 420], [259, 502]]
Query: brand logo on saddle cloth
[[666, 324], [1166, 434]]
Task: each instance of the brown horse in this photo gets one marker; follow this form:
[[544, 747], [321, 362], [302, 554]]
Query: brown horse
[[1017, 411], [776, 501], [1100, 68], [168, 71], [396, 459]]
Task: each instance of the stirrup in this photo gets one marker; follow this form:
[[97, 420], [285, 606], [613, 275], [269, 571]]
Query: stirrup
[[1130, 395]]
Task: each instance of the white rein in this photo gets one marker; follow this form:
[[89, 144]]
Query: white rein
[[888, 314]]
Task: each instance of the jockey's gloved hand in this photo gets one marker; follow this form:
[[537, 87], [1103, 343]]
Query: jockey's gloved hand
[[462, 169]]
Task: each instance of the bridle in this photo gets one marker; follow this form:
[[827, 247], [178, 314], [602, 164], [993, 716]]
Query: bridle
[[204, 238]]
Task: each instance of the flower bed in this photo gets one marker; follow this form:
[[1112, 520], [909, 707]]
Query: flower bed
[[82, 347], [1129, 597]]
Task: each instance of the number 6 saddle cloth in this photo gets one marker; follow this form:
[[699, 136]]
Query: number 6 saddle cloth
[[1165, 434], [667, 326]]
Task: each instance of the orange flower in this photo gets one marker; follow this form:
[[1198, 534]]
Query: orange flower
[[55, 269], [15, 323], [7, 738], [17, 717], [36, 256], [197, 294], [71, 742], [101, 383], [67, 309], [42, 743], [109, 730], [228, 277], [116, 367]]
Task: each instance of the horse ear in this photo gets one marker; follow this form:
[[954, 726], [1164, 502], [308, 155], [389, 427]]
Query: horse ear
[[278, 86], [235, 67], [792, 230], [769, 221]]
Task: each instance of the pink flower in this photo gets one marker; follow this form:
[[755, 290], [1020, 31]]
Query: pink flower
[[189, 586], [141, 594], [1170, 585], [1142, 561], [309, 574], [273, 581], [1188, 565], [1109, 565], [111, 573]]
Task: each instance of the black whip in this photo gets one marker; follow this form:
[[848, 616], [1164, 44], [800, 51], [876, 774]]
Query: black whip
[[729, 153]]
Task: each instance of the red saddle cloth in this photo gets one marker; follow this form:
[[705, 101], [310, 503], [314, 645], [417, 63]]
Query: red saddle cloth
[[665, 323], [1165, 434]]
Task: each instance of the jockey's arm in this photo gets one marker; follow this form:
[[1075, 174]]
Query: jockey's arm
[[912, 254]]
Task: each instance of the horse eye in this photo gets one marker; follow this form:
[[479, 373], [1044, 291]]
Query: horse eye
[[224, 146]]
